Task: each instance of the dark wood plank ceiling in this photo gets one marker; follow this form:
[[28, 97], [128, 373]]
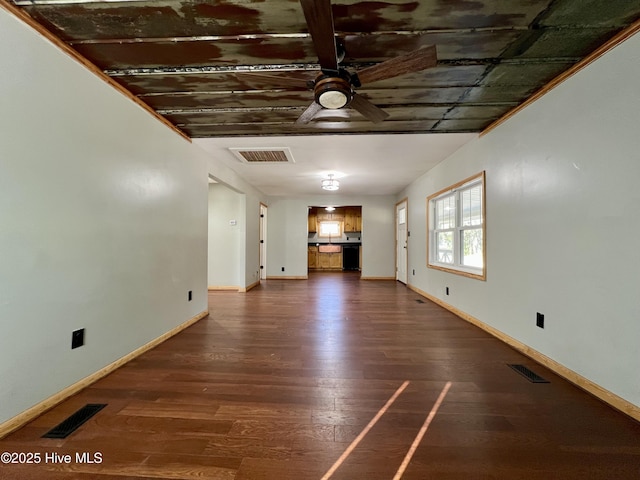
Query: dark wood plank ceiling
[[183, 57]]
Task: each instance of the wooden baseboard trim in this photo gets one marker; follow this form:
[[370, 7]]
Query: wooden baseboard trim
[[378, 278], [246, 289], [215, 288], [30, 414], [603, 394]]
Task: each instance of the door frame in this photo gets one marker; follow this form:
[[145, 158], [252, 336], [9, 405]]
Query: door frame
[[263, 241], [402, 240]]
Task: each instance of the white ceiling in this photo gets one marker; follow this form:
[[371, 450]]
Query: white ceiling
[[364, 164]]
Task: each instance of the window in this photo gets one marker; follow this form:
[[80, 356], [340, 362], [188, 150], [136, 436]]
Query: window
[[456, 241], [402, 216], [330, 229]]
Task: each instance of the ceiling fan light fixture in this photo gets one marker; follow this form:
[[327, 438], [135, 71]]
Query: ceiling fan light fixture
[[330, 183], [333, 93], [333, 99]]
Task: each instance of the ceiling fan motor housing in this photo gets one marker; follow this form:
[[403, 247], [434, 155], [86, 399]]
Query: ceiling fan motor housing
[[333, 91]]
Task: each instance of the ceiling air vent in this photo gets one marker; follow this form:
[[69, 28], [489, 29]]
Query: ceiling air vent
[[263, 155]]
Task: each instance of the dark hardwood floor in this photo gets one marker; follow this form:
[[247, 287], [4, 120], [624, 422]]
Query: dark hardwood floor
[[278, 382]]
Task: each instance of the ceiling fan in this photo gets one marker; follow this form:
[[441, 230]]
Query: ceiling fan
[[334, 88]]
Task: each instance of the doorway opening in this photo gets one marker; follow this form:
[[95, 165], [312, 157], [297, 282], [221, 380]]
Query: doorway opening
[[226, 237], [335, 238]]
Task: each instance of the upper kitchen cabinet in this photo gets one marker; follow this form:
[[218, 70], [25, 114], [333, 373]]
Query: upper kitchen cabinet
[[313, 220], [350, 218], [335, 215], [353, 219]]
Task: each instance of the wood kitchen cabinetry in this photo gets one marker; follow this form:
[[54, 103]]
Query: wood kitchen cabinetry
[[330, 261], [335, 261], [312, 257], [313, 220], [349, 217], [336, 216], [325, 257], [328, 253], [352, 219]]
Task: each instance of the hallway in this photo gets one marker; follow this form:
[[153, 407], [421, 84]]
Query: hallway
[[277, 383]]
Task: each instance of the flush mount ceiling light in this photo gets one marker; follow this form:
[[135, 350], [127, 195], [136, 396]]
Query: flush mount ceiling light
[[329, 209], [330, 183]]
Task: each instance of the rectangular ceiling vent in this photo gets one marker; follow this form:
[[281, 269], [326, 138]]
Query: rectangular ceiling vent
[[262, 155]]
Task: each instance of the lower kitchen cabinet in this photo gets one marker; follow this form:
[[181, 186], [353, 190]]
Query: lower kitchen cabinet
[[330, 261], [312, 256], [335, 261], [318, 260]]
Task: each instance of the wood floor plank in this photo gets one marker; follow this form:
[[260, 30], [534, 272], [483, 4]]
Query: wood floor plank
[[170, 466], [236, 447], [171, 410], [257, 469], [287, 431], [276, 383]]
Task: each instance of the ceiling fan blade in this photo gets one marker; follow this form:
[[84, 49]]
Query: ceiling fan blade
[[409, 62], [320, 22], [308, 114], [274, 80], [368, 109]]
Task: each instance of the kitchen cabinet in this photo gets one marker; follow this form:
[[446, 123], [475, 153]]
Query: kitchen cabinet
[[335, 261], [313, 220], [325, 257], [336, 216], [323, 261], [352, 219], [312, 256], [330, 261]]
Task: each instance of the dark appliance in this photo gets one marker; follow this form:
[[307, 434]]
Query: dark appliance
[[350, 257]]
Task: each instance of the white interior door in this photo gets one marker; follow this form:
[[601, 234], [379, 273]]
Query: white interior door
[[401, 241], [263, 241]]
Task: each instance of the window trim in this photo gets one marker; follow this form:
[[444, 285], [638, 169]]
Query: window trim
[[471, 272]]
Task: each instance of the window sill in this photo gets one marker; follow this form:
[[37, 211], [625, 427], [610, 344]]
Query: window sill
[[465, 272]]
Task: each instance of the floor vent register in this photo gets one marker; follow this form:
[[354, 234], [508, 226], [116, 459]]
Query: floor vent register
[[71, 424], [528, 374]]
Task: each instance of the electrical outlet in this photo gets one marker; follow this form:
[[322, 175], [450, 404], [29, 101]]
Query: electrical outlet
[[77, 338], [283, 269], [414, 271], [190, 295], [539, 320]]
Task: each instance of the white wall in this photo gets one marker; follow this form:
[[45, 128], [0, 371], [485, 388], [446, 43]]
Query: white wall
[[226, 240], [287, 233], [286, 238], [103, 222], [563, 224], [250, 213], [252, 238]]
